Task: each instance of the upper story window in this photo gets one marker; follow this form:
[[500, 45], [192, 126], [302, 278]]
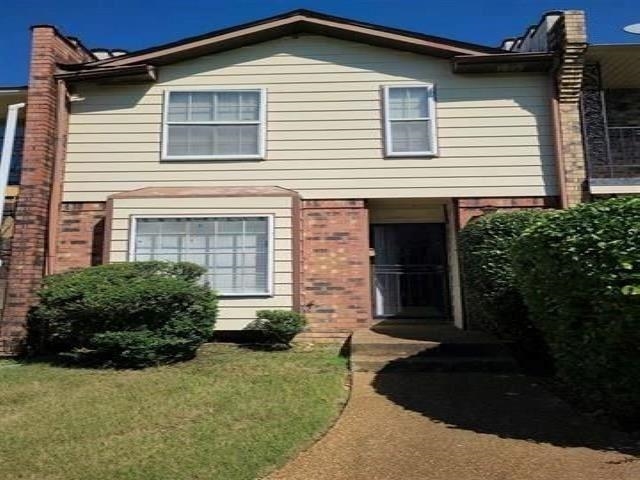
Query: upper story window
[[214, 124], [410, 121]]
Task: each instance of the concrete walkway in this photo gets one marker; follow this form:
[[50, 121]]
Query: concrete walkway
[[461, 426]]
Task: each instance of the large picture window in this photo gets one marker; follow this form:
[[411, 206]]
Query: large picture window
[[214, 125], [234, 250], [410, 128]]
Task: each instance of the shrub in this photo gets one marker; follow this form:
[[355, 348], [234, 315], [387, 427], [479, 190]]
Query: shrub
[[127, 314], [579, 271], [492, 300], [278, 326]]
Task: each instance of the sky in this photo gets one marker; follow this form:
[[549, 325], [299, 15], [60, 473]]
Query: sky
[[136, 24]]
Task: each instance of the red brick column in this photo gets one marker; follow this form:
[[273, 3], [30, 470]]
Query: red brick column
[[335, 283], [469, 208], [28, 249]]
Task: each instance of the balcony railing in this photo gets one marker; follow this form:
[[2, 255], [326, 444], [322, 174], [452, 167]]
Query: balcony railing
[[623, 160]]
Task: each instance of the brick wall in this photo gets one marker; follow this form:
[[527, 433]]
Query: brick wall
[[42, 137], [568, 37], [335, 272], [467, 209], [80, 235]]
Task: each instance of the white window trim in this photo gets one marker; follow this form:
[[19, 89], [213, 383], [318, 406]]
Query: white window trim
[[262, 124], [270, 248], [432, 119]]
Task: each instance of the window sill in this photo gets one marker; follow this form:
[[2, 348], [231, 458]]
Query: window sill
[[412, 155], [210, 158], [246, 295]]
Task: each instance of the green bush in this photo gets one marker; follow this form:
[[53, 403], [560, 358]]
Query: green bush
[[126, 315], [579, 272], [278, 326], [492, 300]]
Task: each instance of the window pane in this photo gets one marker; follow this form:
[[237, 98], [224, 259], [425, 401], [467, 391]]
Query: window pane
[[172, 225], [410, 136], [212, 140], [146, 225], [178, 106], [250, 106], [408, 103], [237, 106], [202, 106], [236, 140]]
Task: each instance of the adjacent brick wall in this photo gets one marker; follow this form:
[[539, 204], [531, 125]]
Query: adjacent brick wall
[[26, 266], [80, 235], [469, 208], [335, 271]]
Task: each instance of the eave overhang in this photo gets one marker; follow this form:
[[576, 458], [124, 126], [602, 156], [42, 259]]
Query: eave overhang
[[504, 63], [112, 74]]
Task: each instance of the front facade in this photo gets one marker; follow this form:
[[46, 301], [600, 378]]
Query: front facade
[[308, 162]]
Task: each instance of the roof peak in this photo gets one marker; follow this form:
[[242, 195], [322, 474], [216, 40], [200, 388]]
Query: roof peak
[[288, 23]]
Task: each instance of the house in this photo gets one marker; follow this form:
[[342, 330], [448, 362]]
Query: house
[[309, 162]]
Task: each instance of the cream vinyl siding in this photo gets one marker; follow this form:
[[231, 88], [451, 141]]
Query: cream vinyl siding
[[234, 312], [324, 127], [403, 210]]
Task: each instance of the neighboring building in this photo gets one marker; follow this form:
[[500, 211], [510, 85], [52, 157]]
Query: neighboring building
[[308, 161]]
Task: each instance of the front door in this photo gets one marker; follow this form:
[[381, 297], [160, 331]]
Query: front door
[[409, 270]]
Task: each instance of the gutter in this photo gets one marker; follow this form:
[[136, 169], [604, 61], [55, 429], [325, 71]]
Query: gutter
[[504, 62], [141, 72], [7, 151]]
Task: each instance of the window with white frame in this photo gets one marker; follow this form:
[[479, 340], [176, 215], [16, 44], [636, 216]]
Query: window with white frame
[[214, 124], [235, 251], [410, 127]]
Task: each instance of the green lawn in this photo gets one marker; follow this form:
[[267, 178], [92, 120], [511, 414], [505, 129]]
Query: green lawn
[[232, 413]]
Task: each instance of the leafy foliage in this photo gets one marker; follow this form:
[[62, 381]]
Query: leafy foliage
[[127, 315], [279, 327], [492, 299], [579, 272]]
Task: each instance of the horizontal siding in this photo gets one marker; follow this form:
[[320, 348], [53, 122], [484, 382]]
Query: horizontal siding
[[235, 313], [324, 129], [403, 210]]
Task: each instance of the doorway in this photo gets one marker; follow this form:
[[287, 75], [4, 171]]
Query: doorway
[[410, 270]]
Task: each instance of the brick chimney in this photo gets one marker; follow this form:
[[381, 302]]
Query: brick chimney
[[568, 37], [42, 139]]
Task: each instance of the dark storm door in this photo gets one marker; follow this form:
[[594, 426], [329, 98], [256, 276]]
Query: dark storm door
[[410, 270]]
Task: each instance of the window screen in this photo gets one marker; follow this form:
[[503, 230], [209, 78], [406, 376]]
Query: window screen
[[410, 117], [213, 124], [234, 251]]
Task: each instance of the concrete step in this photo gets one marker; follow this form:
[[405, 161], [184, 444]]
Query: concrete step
[[378, 364], [405, 349]]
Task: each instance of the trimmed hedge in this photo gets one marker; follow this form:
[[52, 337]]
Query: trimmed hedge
[[492, 300], [126, 315], [579, 272]]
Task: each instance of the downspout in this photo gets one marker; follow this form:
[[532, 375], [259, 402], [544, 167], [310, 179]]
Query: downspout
[[7, 152], [56, 180], [558, 144]]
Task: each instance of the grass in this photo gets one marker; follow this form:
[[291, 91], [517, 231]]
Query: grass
[[231, 413]]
